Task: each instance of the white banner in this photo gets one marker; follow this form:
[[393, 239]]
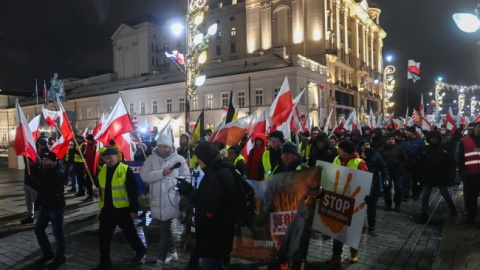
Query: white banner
[[342, 212]]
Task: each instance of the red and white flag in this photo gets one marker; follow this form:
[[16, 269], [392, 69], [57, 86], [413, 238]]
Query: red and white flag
[[424, 123], [60, 147], [282, 105], [371, 120], [99, 124], [85, 132], [328, 123], [450, 119], [117, 123], [232, 133], [34, 124], [24, 143], [349, 124], [51, 116], [124, 141], [462, 119]]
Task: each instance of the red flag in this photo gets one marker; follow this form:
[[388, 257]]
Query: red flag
[[125, 146], [33, 124], [24, 144], [60, 147], [476, 120], [99, 124], [282, 105], [117, 123], [51, 116]]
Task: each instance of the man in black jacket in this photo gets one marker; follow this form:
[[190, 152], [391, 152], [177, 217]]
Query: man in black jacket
[[52, 208]]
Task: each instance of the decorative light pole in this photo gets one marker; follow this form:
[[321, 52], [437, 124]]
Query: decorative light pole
[[439, 85], [196, 55], [388, 87]]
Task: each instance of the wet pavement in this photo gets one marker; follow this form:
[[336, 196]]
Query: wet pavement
[[398, 242]]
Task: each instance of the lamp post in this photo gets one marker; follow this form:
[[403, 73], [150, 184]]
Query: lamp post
[[439, 85], [388, 87], [467, 22], [196, 54]]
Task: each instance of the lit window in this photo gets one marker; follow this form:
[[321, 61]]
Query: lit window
[[225, 99], [208, 101], [233, 32], [241, 98]]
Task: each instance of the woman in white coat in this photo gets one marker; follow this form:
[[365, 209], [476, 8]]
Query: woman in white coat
[[160, 171]]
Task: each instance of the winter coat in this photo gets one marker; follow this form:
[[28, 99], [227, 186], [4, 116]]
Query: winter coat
[[376, 165], [327, 154], [438, 165], [50, 187], [255, 157], [396, 159], [414, 148], [377, 140], [164, 201], [214, 206]]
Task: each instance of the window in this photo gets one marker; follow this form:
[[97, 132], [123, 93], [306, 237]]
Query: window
[[208, 101], [181, 104], [152, 47], [153, 61], [275, 93], [154, 107], [233, 32], [79, 114], [219, 35], [241, 98], [131, 108], [258, 97], [142, 107], [89, 113], [219, 50], [233, 48], [169, 105], [194, 103], [220, 5], [232, 18], [225, 99]]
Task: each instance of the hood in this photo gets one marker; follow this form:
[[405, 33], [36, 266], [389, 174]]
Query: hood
[[262, 137]]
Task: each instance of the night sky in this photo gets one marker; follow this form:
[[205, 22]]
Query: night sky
[[39, 37]]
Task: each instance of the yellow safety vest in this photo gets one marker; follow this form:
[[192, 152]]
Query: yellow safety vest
[[240, 157], [77, 157], [306, 152], [119, 190], [298, 168], [352, 163], [267, 166]]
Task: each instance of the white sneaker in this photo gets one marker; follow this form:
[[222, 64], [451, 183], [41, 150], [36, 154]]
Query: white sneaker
[[171, 257]]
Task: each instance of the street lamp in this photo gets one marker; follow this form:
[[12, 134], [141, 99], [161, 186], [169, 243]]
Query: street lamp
[[196, 55], [468, 22]]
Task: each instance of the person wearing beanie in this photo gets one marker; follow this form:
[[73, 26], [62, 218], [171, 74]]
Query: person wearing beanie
[[234, 155], [118, 203], [214, 207], [396, 159], [438, 165], [377, 139], [272, 155], [255, 156], [322, 151], [289, 160], [89, 155], [307, 146], [349, 158], [376, 165], [414, 147], [52, 208], [186, 149], [468, 163], [160, 171]]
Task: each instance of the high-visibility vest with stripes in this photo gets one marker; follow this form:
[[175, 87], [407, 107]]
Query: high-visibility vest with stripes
[[119, 190], [472, 156], [240, 157], [267, 166], [352, 163], [77, 157]]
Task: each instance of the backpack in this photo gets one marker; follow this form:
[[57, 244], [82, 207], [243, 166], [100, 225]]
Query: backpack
[[245, 206]]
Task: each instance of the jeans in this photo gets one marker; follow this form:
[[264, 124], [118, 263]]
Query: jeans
[[166, 239], [387, 193], [30, 198], [426, 198], [55, 216]]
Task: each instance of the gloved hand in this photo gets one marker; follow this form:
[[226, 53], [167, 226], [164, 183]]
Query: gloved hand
[[368, 199]]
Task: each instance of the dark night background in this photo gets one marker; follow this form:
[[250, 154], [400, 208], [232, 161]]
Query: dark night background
[[39, 37]]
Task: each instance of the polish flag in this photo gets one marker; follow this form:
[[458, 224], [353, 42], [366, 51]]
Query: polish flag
[[24, 143], [282, 105], [413, 67], [371, 120], [60, 147], [232, 133], [85, 132], [349, 123], [33, 124], [328, 123], [51, 116], [99, 124], [462, 119], [117, 123], [424, 124], [451, 125], [124, 141]]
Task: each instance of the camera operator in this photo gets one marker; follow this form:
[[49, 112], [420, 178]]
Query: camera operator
[[159, 171]]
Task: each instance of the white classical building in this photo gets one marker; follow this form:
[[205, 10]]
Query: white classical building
[[332, 48]]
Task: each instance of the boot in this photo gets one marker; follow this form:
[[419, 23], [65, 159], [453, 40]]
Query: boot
[[353, 255], [335, 260]]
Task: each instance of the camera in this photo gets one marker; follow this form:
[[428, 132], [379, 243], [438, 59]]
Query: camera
[[180, 181]]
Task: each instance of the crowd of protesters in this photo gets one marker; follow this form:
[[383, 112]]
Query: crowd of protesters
[[406, 164]]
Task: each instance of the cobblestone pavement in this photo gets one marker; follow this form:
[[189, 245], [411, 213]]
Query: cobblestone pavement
[[398, 242]]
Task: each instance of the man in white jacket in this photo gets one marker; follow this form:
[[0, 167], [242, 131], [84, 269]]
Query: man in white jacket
[[160, 171]]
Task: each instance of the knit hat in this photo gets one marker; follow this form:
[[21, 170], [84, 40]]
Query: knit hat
[[110, 151], [389, 135], [50, 155], [206, 152], [165, 139], [347, 146], [362, 142], [322, 137], [289, 147], [411, 129], [277, 134], [434, 133], [236, 149]]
